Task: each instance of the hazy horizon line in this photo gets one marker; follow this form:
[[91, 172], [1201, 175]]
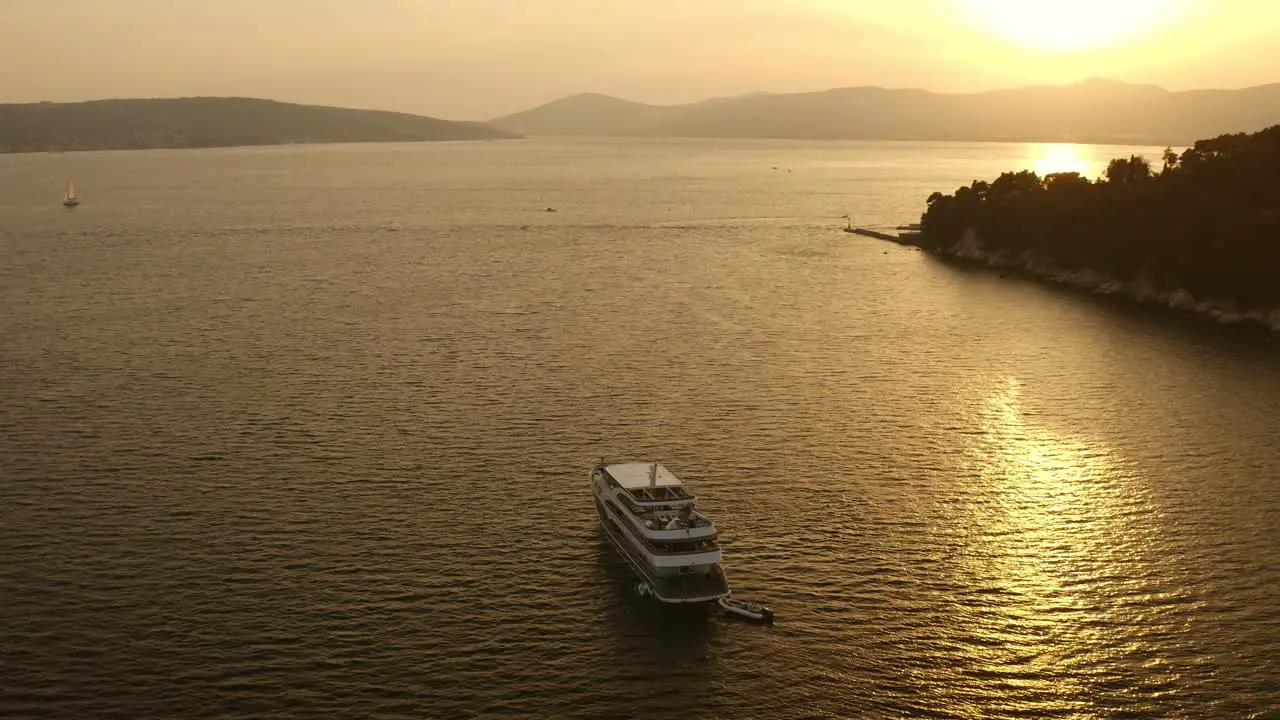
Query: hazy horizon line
[[731, 96]]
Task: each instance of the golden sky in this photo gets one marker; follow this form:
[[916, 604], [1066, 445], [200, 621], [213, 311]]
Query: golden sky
[[475, 59]]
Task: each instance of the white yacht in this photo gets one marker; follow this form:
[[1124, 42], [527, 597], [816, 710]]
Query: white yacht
[[651, 518]]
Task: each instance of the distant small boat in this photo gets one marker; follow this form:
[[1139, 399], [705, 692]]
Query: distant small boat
[[750, 610], [70, 200]]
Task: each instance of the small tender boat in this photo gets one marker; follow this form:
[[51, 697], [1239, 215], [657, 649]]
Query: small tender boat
[[750, 610]]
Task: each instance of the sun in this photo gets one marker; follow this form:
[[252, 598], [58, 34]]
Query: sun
[[1069, 25]]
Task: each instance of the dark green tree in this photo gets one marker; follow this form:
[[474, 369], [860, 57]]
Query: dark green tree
[[1208, 223]]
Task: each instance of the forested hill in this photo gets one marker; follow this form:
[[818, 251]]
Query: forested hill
[[213, 122], [1206, 226]]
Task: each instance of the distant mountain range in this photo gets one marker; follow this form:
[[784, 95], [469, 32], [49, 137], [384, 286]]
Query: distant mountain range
[[1093, 111], [213, 122]]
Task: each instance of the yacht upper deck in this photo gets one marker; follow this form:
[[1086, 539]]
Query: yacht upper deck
[[649, 482]]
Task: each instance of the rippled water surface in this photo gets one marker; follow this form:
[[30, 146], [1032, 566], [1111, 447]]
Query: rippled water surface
[[305, 432]]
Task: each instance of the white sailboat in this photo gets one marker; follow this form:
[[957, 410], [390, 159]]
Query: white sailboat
[[71, 200]]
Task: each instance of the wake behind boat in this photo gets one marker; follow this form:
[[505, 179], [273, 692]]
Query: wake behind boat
[[651, 519]]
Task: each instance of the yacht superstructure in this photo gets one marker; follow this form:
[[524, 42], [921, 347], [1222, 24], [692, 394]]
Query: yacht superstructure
[[652, 520]]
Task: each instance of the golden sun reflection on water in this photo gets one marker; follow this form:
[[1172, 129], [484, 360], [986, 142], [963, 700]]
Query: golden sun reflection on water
[[1065, 157], [1049, 534]]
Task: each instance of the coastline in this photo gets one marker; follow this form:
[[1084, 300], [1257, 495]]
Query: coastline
[[214, 122], [1142, 290], [280, 144]]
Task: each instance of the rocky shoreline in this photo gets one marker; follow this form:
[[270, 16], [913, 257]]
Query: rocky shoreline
[[970, 250]]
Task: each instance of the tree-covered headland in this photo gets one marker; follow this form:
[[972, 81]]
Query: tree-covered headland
[[1207, 224]]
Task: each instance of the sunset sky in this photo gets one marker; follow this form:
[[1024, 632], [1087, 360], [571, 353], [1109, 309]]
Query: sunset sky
[[475, 59]]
